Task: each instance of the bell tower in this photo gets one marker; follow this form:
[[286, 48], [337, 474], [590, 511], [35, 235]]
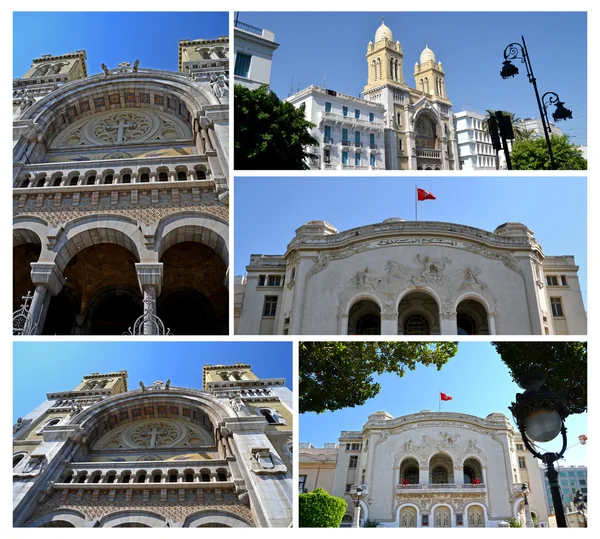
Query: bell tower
[[384, 60], [429, 75]]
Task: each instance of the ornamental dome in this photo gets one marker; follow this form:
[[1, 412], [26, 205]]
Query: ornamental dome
[[427, 54], [383, 32]]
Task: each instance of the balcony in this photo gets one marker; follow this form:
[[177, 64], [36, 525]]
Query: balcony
[[425, 153], [358, 144], [373, 147], [409, 490], [331, 116], [345, 143], [327, 141], [248, 28]]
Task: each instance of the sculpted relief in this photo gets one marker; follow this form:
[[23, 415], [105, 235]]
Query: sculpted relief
[[434, 273]]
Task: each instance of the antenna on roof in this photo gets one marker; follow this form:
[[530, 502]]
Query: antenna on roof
[[292, 85]]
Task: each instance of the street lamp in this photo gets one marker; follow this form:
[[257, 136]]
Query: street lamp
[[518, 51], [540, 416], [357, 494], [580, 505], [528, 519], [561, 113]]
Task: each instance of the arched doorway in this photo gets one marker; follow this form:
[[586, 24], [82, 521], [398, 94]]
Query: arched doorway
[[101, 287], [471, 318], [442, 517], [194, 299], [23, 255], [441, 469], [364, 318], [408, 517], [409, 472], [418, 314], [425, 128], [472, 472], [475, 517]]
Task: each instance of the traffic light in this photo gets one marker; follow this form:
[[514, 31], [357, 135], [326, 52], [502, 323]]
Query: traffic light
[[493, 131], [505, 125]]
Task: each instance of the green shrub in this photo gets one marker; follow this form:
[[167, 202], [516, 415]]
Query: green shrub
[[318, 509]]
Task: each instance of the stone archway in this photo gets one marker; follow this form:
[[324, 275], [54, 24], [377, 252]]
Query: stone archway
[[364, 318], [418, 314], [475, 517], [66, 518], [442, 517], [471, 318], [408, 517], [215, 519]]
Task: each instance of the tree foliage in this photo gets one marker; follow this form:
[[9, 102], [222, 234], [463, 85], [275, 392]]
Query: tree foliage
[[270, 134], [564, 364], [318, 509], [513, 522], [335, 375], [533, 154]]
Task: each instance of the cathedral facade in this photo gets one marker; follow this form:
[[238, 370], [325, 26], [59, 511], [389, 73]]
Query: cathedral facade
[[120, 196], [412, 278], [432, 470], [419, 132], [103, 455]]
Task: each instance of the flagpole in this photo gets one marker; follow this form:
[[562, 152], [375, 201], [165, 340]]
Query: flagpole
[[439, 401], [416, 204]]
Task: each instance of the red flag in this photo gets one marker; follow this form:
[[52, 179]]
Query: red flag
[[404, 481], [445, 397], [422, 194]]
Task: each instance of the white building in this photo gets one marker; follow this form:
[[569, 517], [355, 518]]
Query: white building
[[254, 48], [535, 125], [571, 479], [436, 470], [474, 144], [349, 129], [412, 278]]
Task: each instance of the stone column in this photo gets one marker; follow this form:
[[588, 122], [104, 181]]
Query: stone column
[[153, 177], [389, 323], [423, 475], [206, 140], [448, 323], [150, 276], [212, 136], [47, 278], [459, 475], [492, 323]]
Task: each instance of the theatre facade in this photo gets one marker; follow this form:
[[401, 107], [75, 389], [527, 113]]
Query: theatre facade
[[120, 195], [411, 278]]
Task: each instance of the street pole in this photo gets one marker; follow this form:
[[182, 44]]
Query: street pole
[[539, 102], [552, 475]]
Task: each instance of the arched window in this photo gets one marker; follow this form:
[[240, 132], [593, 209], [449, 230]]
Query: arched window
[[126, 178], [96, 478], [173, 478], [126, 478], [18, 458], [141, 478], [111, 478], [221, 475], [41, 182], [91, 180], [439, 475], [465, 324], [181, 175], [163, 177], [108, 179], [25, 182], [145, 177], [57, 181], [468, 476], [74, 180], [416, 325], [412, 476], [157, 478], [268, 415], [200, 175], [82, 477], [189, 478], [205, 476]]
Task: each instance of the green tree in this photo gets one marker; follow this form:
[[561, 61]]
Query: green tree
[[513, 522], [371, 523], [269, 134], [533, 154], [335, 375], [318, 509], [564, 364]]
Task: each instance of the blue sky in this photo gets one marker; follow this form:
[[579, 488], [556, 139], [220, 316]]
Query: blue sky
[[111, 37], [476, 379], [39, 368], [470, 46], [554, 208]]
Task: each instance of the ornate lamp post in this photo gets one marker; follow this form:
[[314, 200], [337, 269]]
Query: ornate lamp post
[[518, 51], [540, 416], [357, 494], [528, 519], [581, 506]]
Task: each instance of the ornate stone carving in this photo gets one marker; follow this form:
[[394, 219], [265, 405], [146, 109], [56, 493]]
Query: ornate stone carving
[[431, 271]]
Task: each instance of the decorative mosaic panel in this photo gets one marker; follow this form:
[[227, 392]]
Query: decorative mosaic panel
[[112, 419], [171, 103], [174, 410], [159, 100], [71, 112], [137, 412], [98, 102], [145, 98], [130, 99], [183, 110], [114, 99], [60, 120], [84, 106], [186, 412], [162, 410], [124, 415], [149, 410]]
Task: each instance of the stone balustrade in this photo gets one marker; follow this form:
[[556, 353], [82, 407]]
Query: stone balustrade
[[440, 487], [429, 154]]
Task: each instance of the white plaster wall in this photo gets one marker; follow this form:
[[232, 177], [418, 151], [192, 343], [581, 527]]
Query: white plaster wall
[[254, 300], [260, 63], [324, 288]]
